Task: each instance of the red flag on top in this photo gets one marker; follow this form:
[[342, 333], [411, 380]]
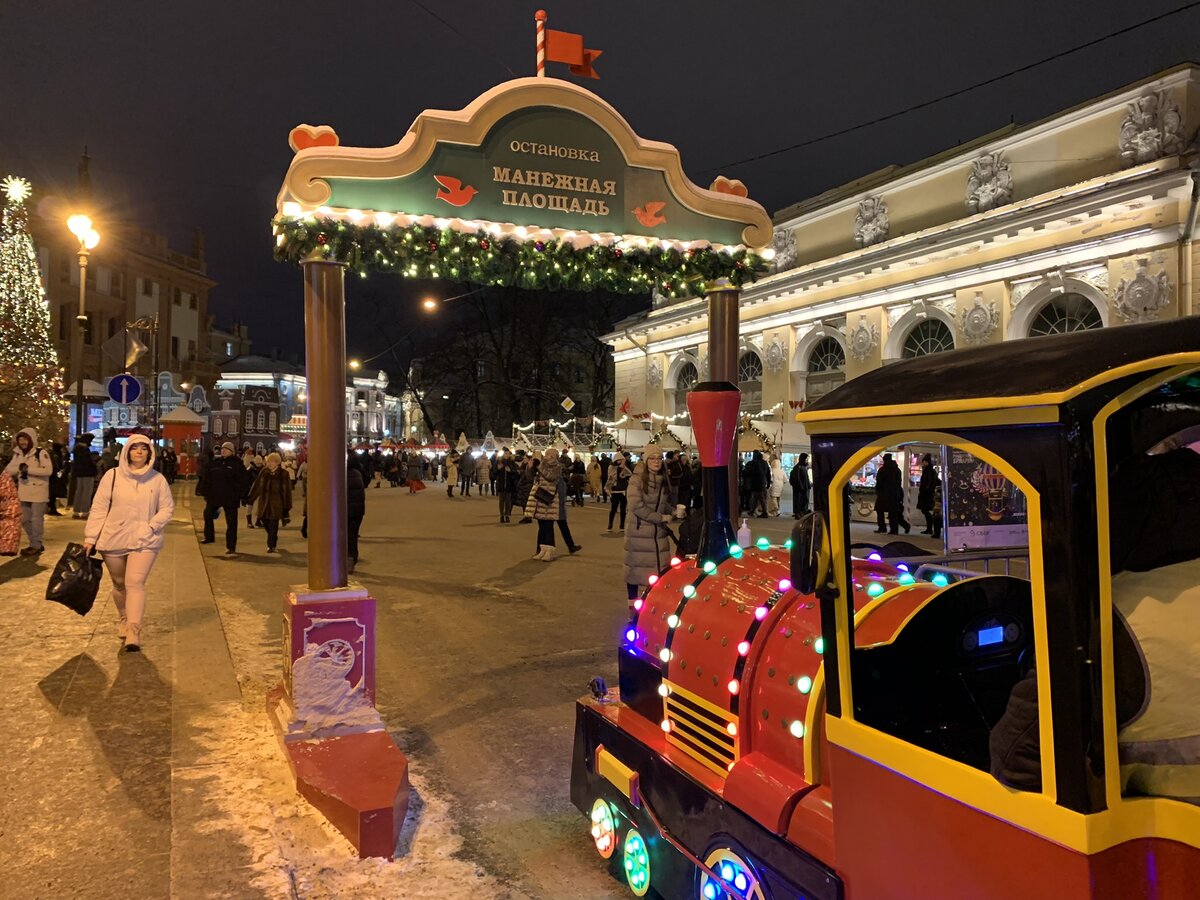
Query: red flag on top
[[563, 47]]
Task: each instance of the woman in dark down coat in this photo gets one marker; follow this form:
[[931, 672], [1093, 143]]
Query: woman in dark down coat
[[528, 475], [647, 544], [272, 491], [925, 493], [545, 508]]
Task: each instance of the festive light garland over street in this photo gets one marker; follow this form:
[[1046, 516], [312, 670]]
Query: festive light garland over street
[[482, 257]]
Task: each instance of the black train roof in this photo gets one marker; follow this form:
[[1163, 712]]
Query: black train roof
[[1029, 367]]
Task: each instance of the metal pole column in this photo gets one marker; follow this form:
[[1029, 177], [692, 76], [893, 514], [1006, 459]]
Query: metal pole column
[[723, 359], [325, 353], [77, 362]]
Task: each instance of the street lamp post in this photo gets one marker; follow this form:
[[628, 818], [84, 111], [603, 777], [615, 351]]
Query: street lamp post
[[88, 237]]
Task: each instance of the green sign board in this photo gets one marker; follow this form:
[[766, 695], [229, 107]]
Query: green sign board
[[539, 167], [535, 153]]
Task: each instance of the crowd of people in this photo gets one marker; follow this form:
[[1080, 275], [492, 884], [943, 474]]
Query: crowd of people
[[762, 481], [127, 511]]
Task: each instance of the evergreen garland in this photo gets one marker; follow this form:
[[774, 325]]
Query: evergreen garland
[[482, 258], [31, 382]]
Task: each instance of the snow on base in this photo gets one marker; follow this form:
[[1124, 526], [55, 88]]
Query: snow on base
[[292, 850]]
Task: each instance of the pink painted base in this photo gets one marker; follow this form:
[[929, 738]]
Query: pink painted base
[[359, 782]]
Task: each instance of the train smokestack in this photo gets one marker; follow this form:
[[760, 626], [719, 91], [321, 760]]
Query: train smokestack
[[713, 406]]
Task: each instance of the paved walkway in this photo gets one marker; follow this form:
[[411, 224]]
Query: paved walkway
[[157, 775], [106, 759]]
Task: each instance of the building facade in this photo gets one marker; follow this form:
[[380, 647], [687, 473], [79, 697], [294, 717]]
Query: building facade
[[1084, 220], [133, 274], [372, 414]]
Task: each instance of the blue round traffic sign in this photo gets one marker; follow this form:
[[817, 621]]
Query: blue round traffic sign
[[124, 389]]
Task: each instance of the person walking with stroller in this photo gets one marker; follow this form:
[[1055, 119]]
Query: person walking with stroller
[[130, 511]]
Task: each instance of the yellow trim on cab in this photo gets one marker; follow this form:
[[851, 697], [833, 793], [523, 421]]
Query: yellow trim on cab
[[981, 404], [1112, 771], [944, 781], [1154, 817]]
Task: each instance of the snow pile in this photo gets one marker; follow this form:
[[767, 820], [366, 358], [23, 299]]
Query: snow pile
[[291, 850]]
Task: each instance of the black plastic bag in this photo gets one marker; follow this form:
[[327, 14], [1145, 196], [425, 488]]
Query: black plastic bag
[[75, 580]]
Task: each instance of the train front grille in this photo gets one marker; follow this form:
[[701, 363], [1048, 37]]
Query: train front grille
[[700, 729]]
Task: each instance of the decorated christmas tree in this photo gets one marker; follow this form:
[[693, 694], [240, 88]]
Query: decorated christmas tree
[[31, 380]]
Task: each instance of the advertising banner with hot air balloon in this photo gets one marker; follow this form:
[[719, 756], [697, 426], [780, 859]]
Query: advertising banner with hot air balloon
[[983, 508]]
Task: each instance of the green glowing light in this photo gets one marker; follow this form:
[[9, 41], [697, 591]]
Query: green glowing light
[[763, 543], [819, 645], [907, 578], [940, 580], [804, 684], [787, 545], [874, 589], [735, 550], [637, 863], [689, 591], [709, 567]]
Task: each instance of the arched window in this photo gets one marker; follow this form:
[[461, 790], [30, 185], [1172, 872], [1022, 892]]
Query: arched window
[[750, 370], [262, 421], [1064, 313], [826, 369], [929, 336], [686, 379], [249, 420], [273, 419], [218, 426]]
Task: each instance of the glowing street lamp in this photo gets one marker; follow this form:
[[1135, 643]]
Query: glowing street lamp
[[429, 304], [81, 226], [354, 365]]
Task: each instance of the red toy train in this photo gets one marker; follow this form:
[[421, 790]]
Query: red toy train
[[793, 722]]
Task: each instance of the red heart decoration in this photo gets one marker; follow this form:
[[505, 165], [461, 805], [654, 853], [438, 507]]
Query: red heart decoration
[[724, 185], [302, 137]]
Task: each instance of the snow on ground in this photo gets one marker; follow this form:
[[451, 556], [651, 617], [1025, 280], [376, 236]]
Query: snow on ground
[[295, 852]]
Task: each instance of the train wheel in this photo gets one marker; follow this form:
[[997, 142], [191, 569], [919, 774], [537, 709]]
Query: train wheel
[[604, 828], [637, 863], [734, 871]]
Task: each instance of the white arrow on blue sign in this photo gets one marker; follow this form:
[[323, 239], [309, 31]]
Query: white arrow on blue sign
[[124, 389]]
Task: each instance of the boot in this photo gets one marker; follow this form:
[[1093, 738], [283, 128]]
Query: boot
[[541, 552], [547, 553]]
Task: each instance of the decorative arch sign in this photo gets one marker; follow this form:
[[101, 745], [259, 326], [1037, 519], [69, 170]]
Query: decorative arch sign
[[537, 183]]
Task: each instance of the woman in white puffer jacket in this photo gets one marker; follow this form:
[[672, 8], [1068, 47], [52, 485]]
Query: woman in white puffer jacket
[[131, 508]]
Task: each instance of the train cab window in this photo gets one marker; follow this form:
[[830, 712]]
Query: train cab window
[[1154, 516], [945, 679], [935, 661]]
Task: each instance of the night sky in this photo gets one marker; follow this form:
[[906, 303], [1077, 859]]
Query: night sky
[[185, 107]]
